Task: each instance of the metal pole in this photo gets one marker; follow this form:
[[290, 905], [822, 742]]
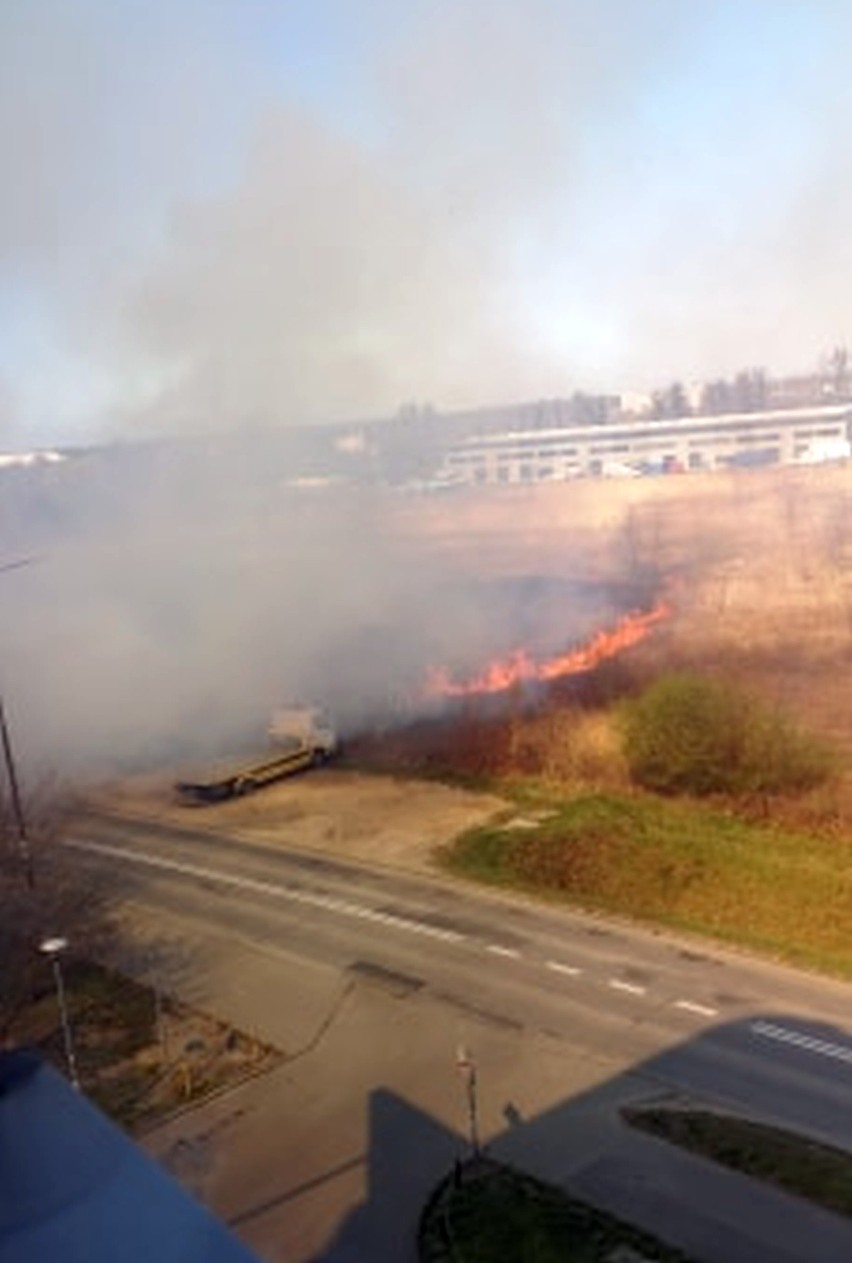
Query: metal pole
[[24, 848], [66, 1024], [160, 1019], [5, 740], [467, 1067], [473, 1111]]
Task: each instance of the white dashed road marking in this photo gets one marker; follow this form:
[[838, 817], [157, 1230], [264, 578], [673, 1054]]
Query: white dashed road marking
[[498, 950], [630, 987], [327, 902], [840, 1052], [558, 968], [703, 1010]]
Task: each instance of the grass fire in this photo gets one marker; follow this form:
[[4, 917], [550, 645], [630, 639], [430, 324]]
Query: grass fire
[[520, 667]]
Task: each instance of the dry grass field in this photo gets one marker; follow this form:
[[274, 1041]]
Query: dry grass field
[[757, 566]]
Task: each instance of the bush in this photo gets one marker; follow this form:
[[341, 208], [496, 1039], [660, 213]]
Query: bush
[[689, 735]]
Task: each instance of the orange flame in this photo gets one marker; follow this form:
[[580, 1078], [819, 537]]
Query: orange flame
[[519, 667]]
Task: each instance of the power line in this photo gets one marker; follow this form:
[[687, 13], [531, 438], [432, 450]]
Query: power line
[[18, 565]]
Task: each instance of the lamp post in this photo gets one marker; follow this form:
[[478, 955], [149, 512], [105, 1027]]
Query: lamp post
[[53, 949]]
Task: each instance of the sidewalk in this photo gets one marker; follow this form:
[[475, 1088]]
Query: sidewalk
[[332, 1156]]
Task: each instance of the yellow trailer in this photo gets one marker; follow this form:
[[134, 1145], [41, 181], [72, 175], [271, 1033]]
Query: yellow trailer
[[242, 776]]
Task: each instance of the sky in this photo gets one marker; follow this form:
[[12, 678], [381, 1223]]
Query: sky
[[225, 214]]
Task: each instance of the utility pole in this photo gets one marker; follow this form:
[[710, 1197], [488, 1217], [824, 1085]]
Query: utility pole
[[24, 849]]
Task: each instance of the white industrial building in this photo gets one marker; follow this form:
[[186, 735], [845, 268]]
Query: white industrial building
[[790, 436]]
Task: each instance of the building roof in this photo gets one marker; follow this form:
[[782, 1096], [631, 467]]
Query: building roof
[[784, 417], [75, 1189]]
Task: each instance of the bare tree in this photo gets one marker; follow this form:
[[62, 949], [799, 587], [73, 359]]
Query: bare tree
[[747, 392], [750, 390], [670, 403], [62, 900], [839, 372]]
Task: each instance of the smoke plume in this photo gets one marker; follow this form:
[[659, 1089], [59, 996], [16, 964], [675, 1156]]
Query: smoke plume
[[177, 595], [225, 220]]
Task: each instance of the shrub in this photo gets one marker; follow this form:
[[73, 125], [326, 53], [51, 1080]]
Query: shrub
[[779, 758], [689, 735]]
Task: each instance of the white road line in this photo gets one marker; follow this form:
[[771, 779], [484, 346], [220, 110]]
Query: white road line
[[840, 1052], [558, 968], [498, 950], [703, 1010], [326, 902], [630, 987]]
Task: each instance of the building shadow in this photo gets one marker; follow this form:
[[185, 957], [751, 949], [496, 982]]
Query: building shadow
[[772, 1067]]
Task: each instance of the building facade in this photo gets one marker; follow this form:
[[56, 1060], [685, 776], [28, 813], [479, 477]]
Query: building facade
[[801, 435]]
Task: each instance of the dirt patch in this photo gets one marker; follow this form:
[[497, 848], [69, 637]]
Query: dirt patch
[[366, 817], [138, 1054]]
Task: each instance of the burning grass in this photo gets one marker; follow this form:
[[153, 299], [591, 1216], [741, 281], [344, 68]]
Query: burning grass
[[520, 667], [699, 869], [560, 747], [567, 736]]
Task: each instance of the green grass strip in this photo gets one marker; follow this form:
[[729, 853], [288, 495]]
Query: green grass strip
[[787, 894], [499, 1215], [808, 1168]]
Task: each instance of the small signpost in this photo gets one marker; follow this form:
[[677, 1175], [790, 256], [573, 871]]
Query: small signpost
[[466, 1067]]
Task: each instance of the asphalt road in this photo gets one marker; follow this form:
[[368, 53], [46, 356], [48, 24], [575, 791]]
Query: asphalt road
[[691, 1020]]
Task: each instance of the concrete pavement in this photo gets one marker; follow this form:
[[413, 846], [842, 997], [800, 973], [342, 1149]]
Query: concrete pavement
[[331, 1156]]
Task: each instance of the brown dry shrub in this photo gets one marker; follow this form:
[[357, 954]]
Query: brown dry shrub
[[568, 747]]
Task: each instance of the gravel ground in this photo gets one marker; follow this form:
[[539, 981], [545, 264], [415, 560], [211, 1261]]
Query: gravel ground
[[379, 819]]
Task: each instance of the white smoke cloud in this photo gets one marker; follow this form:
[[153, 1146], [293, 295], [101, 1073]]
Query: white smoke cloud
[[340, 277], [178, 596], [216, 249], [8, 411], [314, 290], [462, 202], [229, 218]]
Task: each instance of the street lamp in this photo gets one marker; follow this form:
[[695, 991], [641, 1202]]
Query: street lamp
[[53, 949]]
